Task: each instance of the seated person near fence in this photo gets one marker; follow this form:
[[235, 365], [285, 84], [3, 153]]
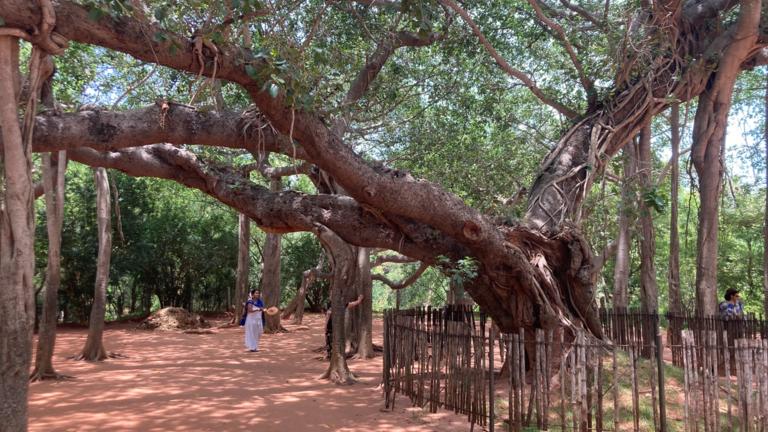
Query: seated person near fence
[[732, 307]]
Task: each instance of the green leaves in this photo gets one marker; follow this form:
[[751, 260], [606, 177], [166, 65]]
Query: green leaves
[[2, 22], [161, 13], [653, 199]]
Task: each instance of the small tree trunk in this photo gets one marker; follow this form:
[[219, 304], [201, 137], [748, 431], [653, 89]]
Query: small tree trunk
[[94, 345], [624, 242], [243, 263], [456, 294], [53, 183], [673, 275], [270, 278], [649, 290], [17, 309]]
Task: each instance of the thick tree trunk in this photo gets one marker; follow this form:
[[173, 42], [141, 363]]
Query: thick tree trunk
[[649, 290], [270, 278], [94, 345], [243, 263], [343, 262], [708, 138], [709, 167], [621, 269], [673, 275], [53, 182], [17, 310]]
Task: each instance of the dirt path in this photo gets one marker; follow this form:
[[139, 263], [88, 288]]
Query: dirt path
[[209, 382]]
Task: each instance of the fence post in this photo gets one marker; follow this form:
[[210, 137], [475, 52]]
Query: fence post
[[491, 392], [660, 369]]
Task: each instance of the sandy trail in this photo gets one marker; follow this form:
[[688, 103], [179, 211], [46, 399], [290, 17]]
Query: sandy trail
[[208, 382]]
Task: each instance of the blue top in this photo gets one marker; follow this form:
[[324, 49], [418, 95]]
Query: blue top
[[729, 310], [258, 303]]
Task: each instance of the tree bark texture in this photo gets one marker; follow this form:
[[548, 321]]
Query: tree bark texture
[[649, 290], [343, 258], [673, 273], [94, 345], [621, 269], [708, 138], [53, 181], [17, 309], [243, 262], [364, 312]]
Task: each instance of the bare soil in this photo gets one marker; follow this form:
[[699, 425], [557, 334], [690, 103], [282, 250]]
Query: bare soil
[[175, 381]]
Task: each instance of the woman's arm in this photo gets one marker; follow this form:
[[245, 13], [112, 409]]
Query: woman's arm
[[356, 302]]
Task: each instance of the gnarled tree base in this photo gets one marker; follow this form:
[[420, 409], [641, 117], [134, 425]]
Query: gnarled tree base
[[49, 375], [338, 372]]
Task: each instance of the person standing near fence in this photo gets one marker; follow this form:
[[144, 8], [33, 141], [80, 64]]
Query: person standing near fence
[[732, 307]]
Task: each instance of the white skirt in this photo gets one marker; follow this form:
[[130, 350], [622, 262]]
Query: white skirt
[[253, 330]]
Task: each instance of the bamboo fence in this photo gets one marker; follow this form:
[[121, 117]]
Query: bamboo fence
[[449, 358]]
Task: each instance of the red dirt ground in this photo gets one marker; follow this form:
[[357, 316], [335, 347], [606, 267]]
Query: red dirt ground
[[208, 382]]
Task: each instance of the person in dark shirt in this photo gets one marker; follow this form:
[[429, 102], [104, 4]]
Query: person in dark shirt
[[329, 324]]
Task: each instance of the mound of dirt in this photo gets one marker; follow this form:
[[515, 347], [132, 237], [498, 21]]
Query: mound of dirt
[[173, 318]]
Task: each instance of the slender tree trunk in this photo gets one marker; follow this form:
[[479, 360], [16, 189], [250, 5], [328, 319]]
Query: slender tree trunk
[[457, 294], [243, 263], [53, 183], [94, 345], [649, 290], [270, 278], [296, 306], [673, 275], [365, 322], [624, 242], [17, 309]]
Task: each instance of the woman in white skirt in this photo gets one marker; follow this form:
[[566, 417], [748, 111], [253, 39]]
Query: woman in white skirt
[[253, 324]]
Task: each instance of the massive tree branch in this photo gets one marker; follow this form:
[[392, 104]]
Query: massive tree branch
[[274, 212], [164, 122]]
